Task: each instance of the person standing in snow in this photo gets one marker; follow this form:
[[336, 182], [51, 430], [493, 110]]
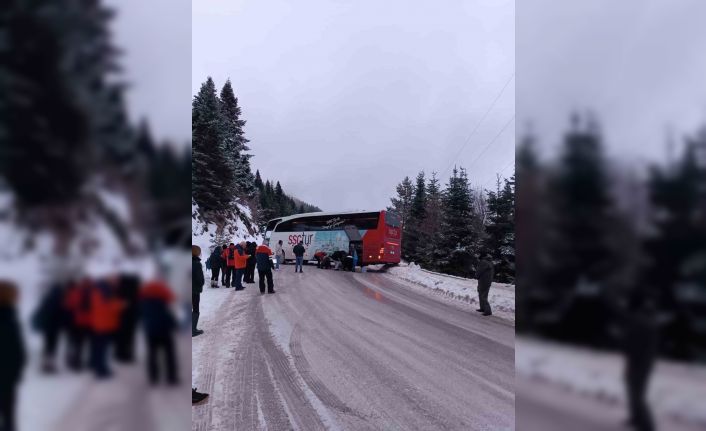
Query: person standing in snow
[[197, 280], [240, 264], [279, 254], [299, 255], [159, 324], [77, 303], [106, 309], [484, 275], [354, 255], [230, 265], [214, 261], [224, 264], [129, 292], [264, 268], [251, 250], [641, 343], [49, 319], [13, 357]]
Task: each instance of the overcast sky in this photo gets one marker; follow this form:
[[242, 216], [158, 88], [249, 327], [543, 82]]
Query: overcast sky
[[155, 37], [640, 65], [343, 99]]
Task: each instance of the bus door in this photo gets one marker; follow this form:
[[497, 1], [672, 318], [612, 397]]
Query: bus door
[[355, 240]]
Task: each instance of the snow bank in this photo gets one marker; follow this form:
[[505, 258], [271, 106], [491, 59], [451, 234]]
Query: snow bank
[[676, 390], [501, 296], [204, 234]]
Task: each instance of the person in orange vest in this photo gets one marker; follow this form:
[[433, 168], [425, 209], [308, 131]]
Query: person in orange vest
[[264, 268], [105, 320], [77, 302], [241, 263], [159, 324], [229, 256]]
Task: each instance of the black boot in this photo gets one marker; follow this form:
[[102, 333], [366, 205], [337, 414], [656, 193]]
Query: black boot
[[194, 321], [197, 397]]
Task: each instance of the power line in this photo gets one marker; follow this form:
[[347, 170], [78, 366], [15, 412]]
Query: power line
[[468, 139], [492, 141], [512, 162]]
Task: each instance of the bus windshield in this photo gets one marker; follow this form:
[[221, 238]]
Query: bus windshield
[[392, 219]]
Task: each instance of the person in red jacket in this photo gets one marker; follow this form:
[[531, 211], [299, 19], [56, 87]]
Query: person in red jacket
[[240, 263], [264, 268], [77, 303], [105, 312]]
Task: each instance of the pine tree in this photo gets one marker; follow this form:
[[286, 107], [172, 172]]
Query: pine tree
[[676, 249], [417, 214], [530, 244], [258, 181], [235, 142], [500, 239], [62, 107], [578, 255], [458, 238], [429, 232], [211, 173], [280, 203], [402, 204]]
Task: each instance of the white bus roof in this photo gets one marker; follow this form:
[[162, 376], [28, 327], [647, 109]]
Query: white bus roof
[[322, 213]]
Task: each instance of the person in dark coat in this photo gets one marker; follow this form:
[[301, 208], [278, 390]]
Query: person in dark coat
[[50, 319], [264, 268], [251, 250], [214, 262], [13, 357], [299, 255], [197, 280], [159, 324], [641, 340], [224, 264], [484, 275], [129, 293]]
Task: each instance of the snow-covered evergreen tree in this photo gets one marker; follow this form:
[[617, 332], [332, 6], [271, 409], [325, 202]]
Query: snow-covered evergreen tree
[[402, 203], [417, 212], [429, 232], [458, 237], [212, 175], [676, 249], [500, 230], [235, 143]]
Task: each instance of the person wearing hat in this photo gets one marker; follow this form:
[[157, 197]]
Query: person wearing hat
[[264, 268], [197, 280], [13, 358], [484, 275], [240, 263]]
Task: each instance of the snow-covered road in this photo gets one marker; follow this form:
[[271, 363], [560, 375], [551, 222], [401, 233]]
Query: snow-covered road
[[333, 350]]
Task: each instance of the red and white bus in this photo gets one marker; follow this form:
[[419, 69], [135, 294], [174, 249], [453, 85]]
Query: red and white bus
[[377, 235]]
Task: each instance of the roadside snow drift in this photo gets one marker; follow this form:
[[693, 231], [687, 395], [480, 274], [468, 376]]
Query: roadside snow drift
[[501, 296], [676, 390]]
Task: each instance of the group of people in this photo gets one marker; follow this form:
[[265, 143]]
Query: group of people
[[338, 260], [98, 319], [233, 264], [97, 314]]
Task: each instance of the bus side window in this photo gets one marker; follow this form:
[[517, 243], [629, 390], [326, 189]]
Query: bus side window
[[284, 227]]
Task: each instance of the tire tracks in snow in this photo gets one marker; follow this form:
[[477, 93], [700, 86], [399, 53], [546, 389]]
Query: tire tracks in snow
[[317, 386]]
